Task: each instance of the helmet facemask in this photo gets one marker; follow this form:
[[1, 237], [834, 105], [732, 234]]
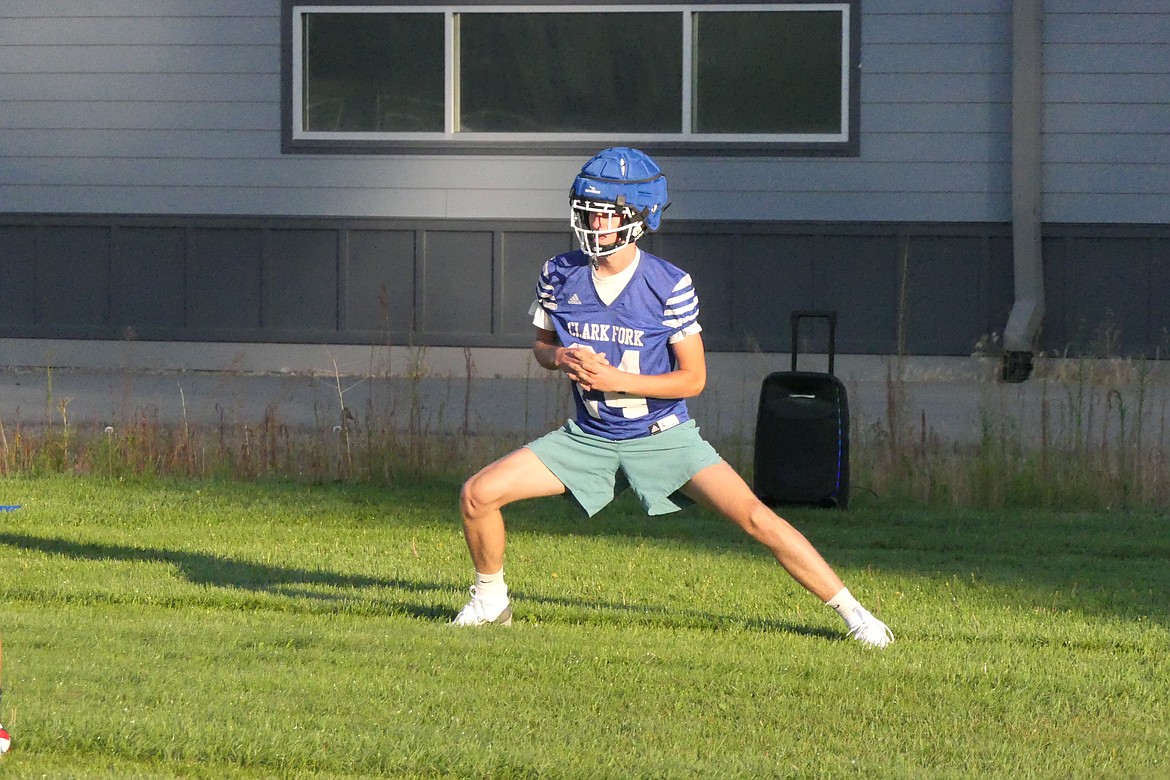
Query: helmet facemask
[[630, 228], [621, 182]]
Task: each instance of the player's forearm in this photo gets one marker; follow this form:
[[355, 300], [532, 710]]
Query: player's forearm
[[682, 383], [546, 354]]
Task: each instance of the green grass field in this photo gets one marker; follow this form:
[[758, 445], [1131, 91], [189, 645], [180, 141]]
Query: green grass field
[[226, 629]]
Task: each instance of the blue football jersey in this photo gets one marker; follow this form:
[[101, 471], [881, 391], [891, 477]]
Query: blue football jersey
[[634, 331]]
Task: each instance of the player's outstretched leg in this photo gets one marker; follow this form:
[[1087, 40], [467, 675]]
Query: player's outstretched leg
[[722, 490], [516, 476]]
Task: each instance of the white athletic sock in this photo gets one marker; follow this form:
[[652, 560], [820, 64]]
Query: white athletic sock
[[845, 605], [491, 588]]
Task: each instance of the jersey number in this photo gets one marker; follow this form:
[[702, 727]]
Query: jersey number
[[632, 406]]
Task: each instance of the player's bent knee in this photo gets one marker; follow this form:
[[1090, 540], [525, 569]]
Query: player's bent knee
[[469, 504], [476, 498]]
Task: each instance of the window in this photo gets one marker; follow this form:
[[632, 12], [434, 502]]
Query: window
[[707, 78]]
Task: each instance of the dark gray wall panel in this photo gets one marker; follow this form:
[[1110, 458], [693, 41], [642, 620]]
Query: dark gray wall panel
[[1159, 343], [149, 278], [944, 294], [73, 276], [367, 281], [457, 298], [521, 260], [1055, 257], [1105, 286], [18, 253], [380, 281], [1000, 284], [224, 272], [773, 276], [708, 259], [858, 277], [300, 286]]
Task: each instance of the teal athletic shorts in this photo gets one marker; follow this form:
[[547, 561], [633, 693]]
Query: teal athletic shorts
[[595, 470]]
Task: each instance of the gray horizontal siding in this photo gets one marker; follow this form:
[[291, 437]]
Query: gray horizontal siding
[[1102, 178], [1106, 148], [175, 114], [1116, 6], [1107, 107], [1108, 89], [915, 119], [1108, 24], [107, 107], [139, 29], [139, 143], [355, 173], [887, 58], [1138, 208], [183, 199], [111, 109], [885, 23], [917, 7], [955, 147], [93, 9], [935, 88], [1106, 57], [141, 87], [939, 206], [140, 58], [1118, 119], [247, 145]]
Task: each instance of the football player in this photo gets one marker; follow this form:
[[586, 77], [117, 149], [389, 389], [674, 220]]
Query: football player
[[623, 326]]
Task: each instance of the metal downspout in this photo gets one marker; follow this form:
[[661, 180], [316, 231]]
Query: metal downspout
[[1023, 325]]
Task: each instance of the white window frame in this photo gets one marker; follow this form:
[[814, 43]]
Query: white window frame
[[843, 141]]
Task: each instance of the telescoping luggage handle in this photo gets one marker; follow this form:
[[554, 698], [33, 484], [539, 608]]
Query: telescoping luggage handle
[[824, 314]]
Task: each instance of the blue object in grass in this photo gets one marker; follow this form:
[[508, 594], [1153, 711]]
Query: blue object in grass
[[9, 508]]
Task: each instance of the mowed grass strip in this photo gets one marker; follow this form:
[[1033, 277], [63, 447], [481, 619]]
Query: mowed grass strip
[[277, 630]]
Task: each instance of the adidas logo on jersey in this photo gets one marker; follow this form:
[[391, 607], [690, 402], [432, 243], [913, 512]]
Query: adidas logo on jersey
[[574, 299]]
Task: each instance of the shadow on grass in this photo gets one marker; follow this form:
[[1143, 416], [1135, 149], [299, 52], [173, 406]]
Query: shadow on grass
[[219, 571], [1109, 563], [537, 608]]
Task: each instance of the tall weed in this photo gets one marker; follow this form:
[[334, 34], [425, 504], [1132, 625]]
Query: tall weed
[[1085, 432]]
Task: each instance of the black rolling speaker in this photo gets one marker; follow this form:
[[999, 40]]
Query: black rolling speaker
[[802, 432]]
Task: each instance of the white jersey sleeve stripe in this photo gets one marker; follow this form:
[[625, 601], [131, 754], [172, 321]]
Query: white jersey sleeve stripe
[[681, 321], [682, 309], [545, 290]]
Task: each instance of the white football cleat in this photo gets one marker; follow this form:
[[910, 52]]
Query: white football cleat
[[867, 629], [478, 613]]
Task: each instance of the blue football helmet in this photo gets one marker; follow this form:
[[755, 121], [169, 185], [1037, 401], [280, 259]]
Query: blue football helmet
[[617, 181]]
